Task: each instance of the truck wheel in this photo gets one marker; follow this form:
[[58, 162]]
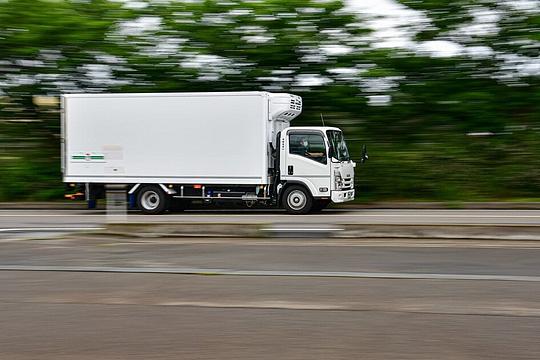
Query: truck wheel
[[152, 200], [297, 200]]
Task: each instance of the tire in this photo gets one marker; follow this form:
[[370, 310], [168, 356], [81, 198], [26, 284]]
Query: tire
[[320, 205], [152, 200], [297, 200]]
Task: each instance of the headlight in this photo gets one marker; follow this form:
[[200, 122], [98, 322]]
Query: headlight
[[338, 180]]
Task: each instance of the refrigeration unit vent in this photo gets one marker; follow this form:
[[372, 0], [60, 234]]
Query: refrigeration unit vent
[[284, 107]]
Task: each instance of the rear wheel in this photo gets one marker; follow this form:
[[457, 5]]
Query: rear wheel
[[297, 200], [152, 200]]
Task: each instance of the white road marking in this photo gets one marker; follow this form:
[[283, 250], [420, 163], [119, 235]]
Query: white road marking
[[289, 305], [302, 229], [47, 229], [231, 272]]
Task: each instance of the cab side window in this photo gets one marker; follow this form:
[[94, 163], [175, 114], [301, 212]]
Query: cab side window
[[308, 145]]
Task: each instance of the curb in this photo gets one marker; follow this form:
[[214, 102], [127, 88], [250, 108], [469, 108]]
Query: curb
[[153, 230], [349, 231]]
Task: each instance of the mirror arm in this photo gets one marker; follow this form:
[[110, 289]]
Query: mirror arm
[[365, 155]]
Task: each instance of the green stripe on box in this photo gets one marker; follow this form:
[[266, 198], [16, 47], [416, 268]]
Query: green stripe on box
[[91, 157]]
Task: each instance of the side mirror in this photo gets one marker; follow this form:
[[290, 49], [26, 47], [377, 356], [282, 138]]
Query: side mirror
[[365, 155]]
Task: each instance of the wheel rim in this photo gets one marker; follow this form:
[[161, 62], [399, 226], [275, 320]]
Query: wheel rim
[[150, 200], [297, 200]]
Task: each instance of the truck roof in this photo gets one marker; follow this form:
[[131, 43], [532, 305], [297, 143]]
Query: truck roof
[[166, 94], [320, 128]]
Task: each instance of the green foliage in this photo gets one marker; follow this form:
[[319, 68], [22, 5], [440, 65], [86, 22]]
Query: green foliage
[[417, 136]]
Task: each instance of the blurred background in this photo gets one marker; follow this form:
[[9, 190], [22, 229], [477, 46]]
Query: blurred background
[[445, 93]]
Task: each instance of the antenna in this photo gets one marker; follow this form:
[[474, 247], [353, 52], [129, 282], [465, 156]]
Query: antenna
[[322, 119]]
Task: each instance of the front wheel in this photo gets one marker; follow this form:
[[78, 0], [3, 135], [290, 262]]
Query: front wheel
[[152, 200], [297, 200]]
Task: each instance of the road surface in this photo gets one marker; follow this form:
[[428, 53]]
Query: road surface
[[126, 298], [64, 220]]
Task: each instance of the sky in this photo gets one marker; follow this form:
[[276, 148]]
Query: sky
[[394, 26]]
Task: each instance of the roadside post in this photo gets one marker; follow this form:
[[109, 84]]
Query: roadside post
[[116, 203]]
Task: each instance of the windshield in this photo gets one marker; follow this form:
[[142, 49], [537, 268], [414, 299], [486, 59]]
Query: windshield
[[338, 145]]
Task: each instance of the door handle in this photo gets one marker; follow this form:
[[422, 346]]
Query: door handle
[[290, 170]]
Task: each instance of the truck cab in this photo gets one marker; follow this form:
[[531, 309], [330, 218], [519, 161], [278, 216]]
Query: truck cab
[[315, 168]]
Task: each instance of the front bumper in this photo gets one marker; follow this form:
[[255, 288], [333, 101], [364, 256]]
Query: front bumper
[[342, 196]]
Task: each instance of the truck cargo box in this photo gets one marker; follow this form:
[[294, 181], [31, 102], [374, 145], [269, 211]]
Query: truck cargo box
[[191, 138]]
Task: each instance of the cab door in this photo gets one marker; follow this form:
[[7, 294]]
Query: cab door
[[305, 160]]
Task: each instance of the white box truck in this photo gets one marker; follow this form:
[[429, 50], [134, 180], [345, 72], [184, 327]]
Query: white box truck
[[175, 148]]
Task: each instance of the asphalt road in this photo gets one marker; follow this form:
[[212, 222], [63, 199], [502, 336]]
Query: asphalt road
[[125, 298], [33, 220], [126, 316], [311, 256]]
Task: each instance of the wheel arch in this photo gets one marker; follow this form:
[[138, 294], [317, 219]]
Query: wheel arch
[[136, 187]]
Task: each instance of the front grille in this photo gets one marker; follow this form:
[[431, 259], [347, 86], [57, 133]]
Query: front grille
[[348, 184]]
